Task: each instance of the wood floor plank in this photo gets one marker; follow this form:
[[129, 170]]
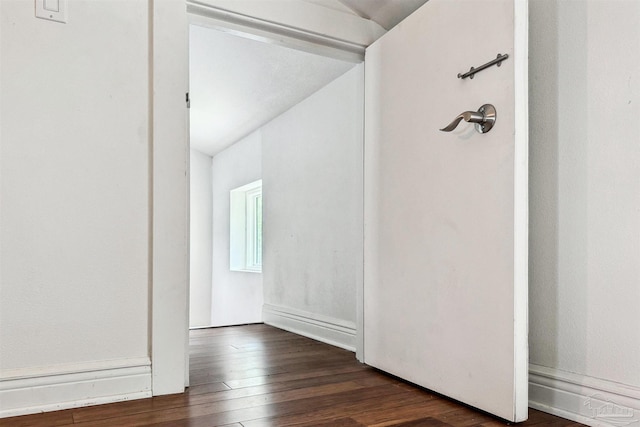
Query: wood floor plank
[[406, 412], [260, 376], [230, 370], [262, 356], [289, 376], [360, 378], [458, 415], [355, 408], [207, 388], [238, 410], [48, 419], [227, 399]]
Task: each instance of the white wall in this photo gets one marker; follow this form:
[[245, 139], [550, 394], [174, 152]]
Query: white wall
[[75, 194], [74, 224], [237, 296], [76, 205], [201, 240], [585, 204], [312, 188]]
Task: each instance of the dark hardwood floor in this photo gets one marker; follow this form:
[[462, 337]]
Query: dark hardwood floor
[[256, 375]]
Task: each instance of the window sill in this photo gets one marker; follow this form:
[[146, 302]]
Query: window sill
[[247, 271]]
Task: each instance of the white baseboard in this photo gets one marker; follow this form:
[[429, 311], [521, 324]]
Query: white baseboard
[[336, 332], [590, 401], [29, 391]]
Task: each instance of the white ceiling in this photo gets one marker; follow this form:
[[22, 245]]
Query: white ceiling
[[238, 84]]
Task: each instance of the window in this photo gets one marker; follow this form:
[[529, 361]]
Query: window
[[246, 228]]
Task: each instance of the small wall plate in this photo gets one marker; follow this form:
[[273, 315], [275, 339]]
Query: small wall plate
[[52, 10]]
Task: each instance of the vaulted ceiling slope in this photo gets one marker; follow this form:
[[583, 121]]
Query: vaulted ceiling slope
[[387, 13], [239, 82]]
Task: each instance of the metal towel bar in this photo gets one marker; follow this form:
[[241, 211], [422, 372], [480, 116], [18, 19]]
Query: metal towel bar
[[472, 71]]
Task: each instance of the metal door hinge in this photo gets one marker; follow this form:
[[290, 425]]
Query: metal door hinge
[[188, 100]]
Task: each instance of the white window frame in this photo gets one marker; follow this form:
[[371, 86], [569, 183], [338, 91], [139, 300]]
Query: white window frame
[[253, 258], [243, 238]]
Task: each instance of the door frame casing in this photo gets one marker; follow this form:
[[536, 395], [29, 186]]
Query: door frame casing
[[169, 209], [348, 49], [169, 166]]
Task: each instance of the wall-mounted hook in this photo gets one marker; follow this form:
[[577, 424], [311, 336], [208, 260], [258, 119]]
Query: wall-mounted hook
[[484, 119]]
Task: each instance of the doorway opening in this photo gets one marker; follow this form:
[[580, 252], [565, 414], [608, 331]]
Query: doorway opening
[[261, 111]]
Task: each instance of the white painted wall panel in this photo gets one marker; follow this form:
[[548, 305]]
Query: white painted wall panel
[[201, 242], [74, 224], [312, 180], [585, 188]]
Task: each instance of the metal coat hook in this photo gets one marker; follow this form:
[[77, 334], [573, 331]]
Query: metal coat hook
[[484, 119], [472, 71]]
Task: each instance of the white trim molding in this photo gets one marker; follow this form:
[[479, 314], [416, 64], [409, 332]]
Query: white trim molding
[[336, 332], [52, 388], [169, 201], [298, 25], [591, 401]]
